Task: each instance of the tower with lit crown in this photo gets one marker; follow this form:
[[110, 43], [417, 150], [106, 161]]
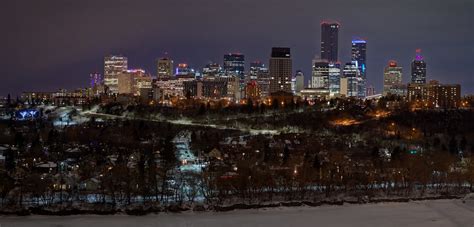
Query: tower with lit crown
[[418, 69]]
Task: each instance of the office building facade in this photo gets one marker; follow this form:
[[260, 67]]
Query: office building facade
[[280, 70]]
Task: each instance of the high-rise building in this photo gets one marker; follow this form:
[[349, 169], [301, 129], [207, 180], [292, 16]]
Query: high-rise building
[[183, 70], [280, 70], [205, 88], [434, 95], [164, 68], [132, 81], [299, 85], [255, 68], [320, 75], [418, 69], [234, 64], [334, 79], [263, 79], [392, 79], [351, 73], [359, 54], [113, 66], [329, 41], [211, 70], [96, 82], [95, 79]]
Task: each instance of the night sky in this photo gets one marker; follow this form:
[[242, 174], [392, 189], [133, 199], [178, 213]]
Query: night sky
[[50, 44]]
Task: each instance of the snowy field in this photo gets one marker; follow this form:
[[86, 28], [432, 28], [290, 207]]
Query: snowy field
[[424, 213]]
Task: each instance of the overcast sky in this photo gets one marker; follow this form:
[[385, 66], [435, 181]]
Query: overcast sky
[[50, 44]]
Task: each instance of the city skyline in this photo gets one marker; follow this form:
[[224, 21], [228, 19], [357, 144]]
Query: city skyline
[[57, 59]]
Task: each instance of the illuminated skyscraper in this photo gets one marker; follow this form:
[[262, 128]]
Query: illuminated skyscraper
[[113, 66], [351, 74], [212, 70], [280, 70], [234, 64], [255, 68], [392, 79], [95, 79], [164, 68], [334, 79], [320, 75], [260, 73], [299, 81], [418, 69], [359, 49], [329, 41], [133, 81], [183, 70]]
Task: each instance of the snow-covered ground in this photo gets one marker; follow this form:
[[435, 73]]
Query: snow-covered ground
[[424, 213]]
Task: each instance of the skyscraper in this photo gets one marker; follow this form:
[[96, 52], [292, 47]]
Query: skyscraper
[[320, 74], [164, 68], [261, 73], [95, 79], [280, 69], [392, 79], [183, 70], [299, 84], [359, 49], [113, 66], [334, 79], [211, 70], [255, 68], [234, 64], [329, 41], [133, 81], [351, 73], [418, 69]]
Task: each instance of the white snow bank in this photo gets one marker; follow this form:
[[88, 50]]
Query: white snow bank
[[425, 213]]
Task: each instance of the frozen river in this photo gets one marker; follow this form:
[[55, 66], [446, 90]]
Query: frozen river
[[423, 213]]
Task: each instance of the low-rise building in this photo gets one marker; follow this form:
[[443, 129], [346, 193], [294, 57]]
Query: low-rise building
[[434, 95]]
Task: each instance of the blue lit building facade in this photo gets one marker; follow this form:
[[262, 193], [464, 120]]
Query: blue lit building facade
[[359, 54]]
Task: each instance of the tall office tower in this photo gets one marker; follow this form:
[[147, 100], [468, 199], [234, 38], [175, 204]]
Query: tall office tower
[[211, 70], [418, 69], [334, 79], [262, 74], [299, 84], [320, 75], [133, 81], [359, 50], [392, 79], [351, 74], [164, 67], [280, 70], [255, 68], [113, 66], [329, 41], [95, 79], [234, 64]]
